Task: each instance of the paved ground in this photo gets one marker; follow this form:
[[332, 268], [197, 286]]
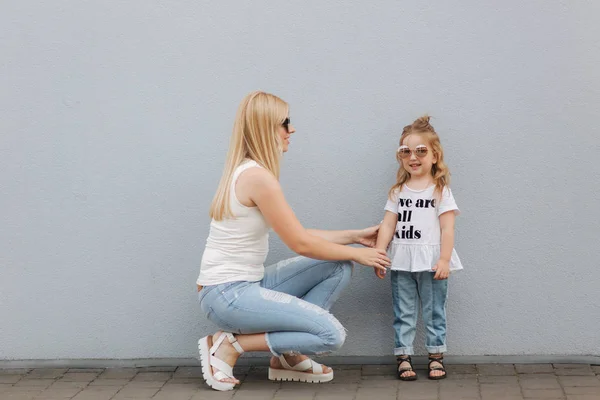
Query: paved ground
[[352, 382]]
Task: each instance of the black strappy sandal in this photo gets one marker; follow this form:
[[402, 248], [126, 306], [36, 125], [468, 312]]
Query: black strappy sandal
[[440, 360], [400, 371]]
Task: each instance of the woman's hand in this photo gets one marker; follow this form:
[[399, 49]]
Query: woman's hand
[[380, 273], [442, 269], [375, 258], [368, 236]]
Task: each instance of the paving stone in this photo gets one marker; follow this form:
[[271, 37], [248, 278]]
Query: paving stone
[[379, 383], [376, 393], [170, 385], [583, 370], [56, 393], [79, 376], [15, 371], [98, 391], [542, 381], [461, 369], [152, 377], [499, 379], [343, 376], [573, 390], [10, 379], [534, 368], [135, 392], [118, 373], [20, 394], [110, 382], [458, 392], [378, 370], [545, 394], [496, 369], [579, 381], [568, 366], [145, 384], [333, 396], [255, 374], [97, 371], [47, 373], [490, 389], [156, 369], [188, 372], [36, 383], [175, 394], [462, 377], [92, 396], [214, 395], [338, 388], [68, 385]]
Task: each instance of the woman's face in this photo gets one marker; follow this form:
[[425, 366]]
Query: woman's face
[[285, 131]]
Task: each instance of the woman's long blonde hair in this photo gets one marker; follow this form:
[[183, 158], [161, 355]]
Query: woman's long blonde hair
[[439, 170], [254, 136]]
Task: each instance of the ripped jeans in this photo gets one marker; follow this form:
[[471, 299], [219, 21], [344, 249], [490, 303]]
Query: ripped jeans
[[290, 304]]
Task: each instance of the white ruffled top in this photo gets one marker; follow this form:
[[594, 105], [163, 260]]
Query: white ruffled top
[[416, 243]]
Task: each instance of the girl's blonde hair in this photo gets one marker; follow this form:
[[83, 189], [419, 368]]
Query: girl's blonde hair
[[439, 170], [254, 136]]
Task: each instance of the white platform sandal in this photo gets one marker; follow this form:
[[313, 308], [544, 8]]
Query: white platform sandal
[[299, 372], [208, 360]]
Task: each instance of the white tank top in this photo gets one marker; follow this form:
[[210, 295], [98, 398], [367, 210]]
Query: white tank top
[[236, 248]]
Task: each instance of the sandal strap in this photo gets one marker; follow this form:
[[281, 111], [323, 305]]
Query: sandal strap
[[219, 376], [284, 362], [224, 370], [316, 367], [401, 360], [439, 360], [222, 366], [234, 343], [231, 339], [217, 343], [302, 365]]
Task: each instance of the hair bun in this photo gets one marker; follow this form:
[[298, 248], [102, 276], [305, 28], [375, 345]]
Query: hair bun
[[422, 123]]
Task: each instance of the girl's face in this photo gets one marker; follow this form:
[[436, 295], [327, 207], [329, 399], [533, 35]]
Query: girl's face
[[285, 131], [416, 156]]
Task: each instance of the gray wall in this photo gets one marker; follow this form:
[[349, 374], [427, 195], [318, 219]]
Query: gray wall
[[115, 119]]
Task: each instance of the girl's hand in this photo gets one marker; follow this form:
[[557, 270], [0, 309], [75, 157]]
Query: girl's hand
[[442, 270], [368, 236], [372, 258], [380, 273]]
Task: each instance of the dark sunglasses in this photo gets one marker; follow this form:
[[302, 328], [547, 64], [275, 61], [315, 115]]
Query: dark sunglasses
[[286, 124], [420, 151]]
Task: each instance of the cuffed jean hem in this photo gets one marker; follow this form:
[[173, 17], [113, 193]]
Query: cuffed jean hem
[[436, 349], [404, 351], [271, 347]]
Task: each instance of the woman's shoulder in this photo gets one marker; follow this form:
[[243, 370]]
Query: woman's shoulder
[[248, 163], [252, 172]]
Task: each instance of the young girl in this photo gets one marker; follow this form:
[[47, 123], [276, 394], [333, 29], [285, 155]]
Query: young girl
[[419, 223]]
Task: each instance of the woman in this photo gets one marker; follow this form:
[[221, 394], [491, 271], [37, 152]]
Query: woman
[[282, 308]]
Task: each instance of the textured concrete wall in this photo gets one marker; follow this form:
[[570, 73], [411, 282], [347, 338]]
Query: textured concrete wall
[[115, 119]]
